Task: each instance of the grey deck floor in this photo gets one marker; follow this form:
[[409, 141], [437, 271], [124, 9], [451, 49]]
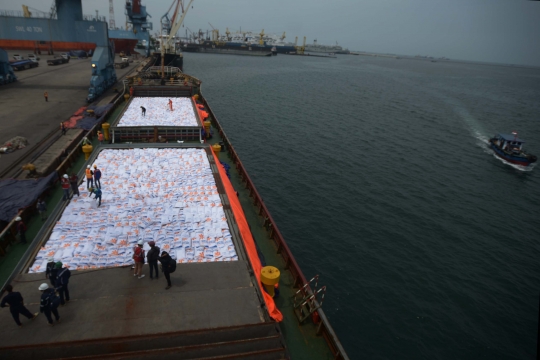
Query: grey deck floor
[[112, 302]]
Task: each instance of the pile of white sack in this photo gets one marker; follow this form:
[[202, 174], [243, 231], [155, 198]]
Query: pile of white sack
[[165, 195], [158, 113]]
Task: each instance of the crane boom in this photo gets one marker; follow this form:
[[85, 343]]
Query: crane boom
[[175, 27]]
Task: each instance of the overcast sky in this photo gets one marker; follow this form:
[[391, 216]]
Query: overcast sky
[[505, 31]]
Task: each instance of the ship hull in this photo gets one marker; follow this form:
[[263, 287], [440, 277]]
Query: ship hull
[[227, 50], [517, 160], [45, 47], [278, 49], [124, 45]]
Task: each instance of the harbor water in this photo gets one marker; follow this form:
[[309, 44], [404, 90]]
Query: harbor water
[[378, 175]]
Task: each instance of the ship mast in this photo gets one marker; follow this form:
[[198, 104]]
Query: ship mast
[[167, 41]]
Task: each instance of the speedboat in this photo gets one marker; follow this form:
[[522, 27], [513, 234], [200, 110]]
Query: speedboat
[[510, 148]]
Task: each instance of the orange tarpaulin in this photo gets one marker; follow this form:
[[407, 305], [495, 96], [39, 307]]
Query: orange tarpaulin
[[247, 238]]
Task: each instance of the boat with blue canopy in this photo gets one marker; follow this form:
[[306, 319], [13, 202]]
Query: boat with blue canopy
[[510, 148]]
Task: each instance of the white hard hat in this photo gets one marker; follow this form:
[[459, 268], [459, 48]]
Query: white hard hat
[[51, 259], [18, 218], [88, 166], [140, 242], [66, 176], [43, 286]]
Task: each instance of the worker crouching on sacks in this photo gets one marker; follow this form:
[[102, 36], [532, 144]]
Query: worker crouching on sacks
[[97, 192], [138, 256]]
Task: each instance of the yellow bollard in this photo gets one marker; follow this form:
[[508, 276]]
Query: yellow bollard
[[105, 127], [207, 125], [270, 277], [87, 150], [217, 149], [126, 97]]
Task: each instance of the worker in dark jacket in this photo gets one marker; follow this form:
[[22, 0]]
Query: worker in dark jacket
[[74, 181], [165, 260], [16, 305], [50, 272], [153, 256], [97, 192], [21, 229], [49, 303], [42, 209], [97, 177], [62, 281]]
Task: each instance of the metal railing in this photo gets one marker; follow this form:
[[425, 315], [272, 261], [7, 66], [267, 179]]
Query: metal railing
[[34, 14], [324, 328]]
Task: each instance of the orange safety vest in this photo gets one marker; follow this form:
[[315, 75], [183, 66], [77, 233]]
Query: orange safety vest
[[88, 173]]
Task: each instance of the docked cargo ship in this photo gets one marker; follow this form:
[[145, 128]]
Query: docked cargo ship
[[319, 48], [212, 47], [257, 42], [237, 291]]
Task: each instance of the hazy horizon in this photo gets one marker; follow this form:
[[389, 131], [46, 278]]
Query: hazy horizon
[[495, 31]]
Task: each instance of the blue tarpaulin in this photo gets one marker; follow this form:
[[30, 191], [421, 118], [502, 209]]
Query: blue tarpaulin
[[88, 122], [18, 194]]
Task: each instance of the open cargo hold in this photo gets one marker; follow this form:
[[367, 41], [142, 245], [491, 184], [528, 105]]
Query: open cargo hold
[[169, 196], [181, 124]]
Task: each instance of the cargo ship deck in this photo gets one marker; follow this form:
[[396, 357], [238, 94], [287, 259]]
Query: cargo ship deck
[[117, 313]]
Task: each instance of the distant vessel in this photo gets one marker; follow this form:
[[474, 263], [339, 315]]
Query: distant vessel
[[315, 47], [263, 41], [510, 148]]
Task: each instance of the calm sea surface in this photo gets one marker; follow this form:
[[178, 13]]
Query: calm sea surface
[[377, 173]]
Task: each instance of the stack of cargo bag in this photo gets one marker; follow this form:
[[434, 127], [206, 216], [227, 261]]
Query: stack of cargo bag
[[158, 113], [164, 195]]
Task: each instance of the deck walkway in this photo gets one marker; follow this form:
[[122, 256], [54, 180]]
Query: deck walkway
[[112, 302]]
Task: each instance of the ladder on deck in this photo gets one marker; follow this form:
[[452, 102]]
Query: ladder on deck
[[306, 299]]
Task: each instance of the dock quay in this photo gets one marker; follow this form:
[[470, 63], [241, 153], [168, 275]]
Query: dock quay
[[214, 309]]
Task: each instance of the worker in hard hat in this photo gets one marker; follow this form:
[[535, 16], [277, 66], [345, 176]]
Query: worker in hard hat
[[89, 177], [97, 176], [65, 186], [152, 257], [97, 192], [100, 137], [50, 271], [62, 281], [15, 302], [74, 181], [21, 229], [170, 105], [166, 260], [138, 256], [42, 209], [49, 303]]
